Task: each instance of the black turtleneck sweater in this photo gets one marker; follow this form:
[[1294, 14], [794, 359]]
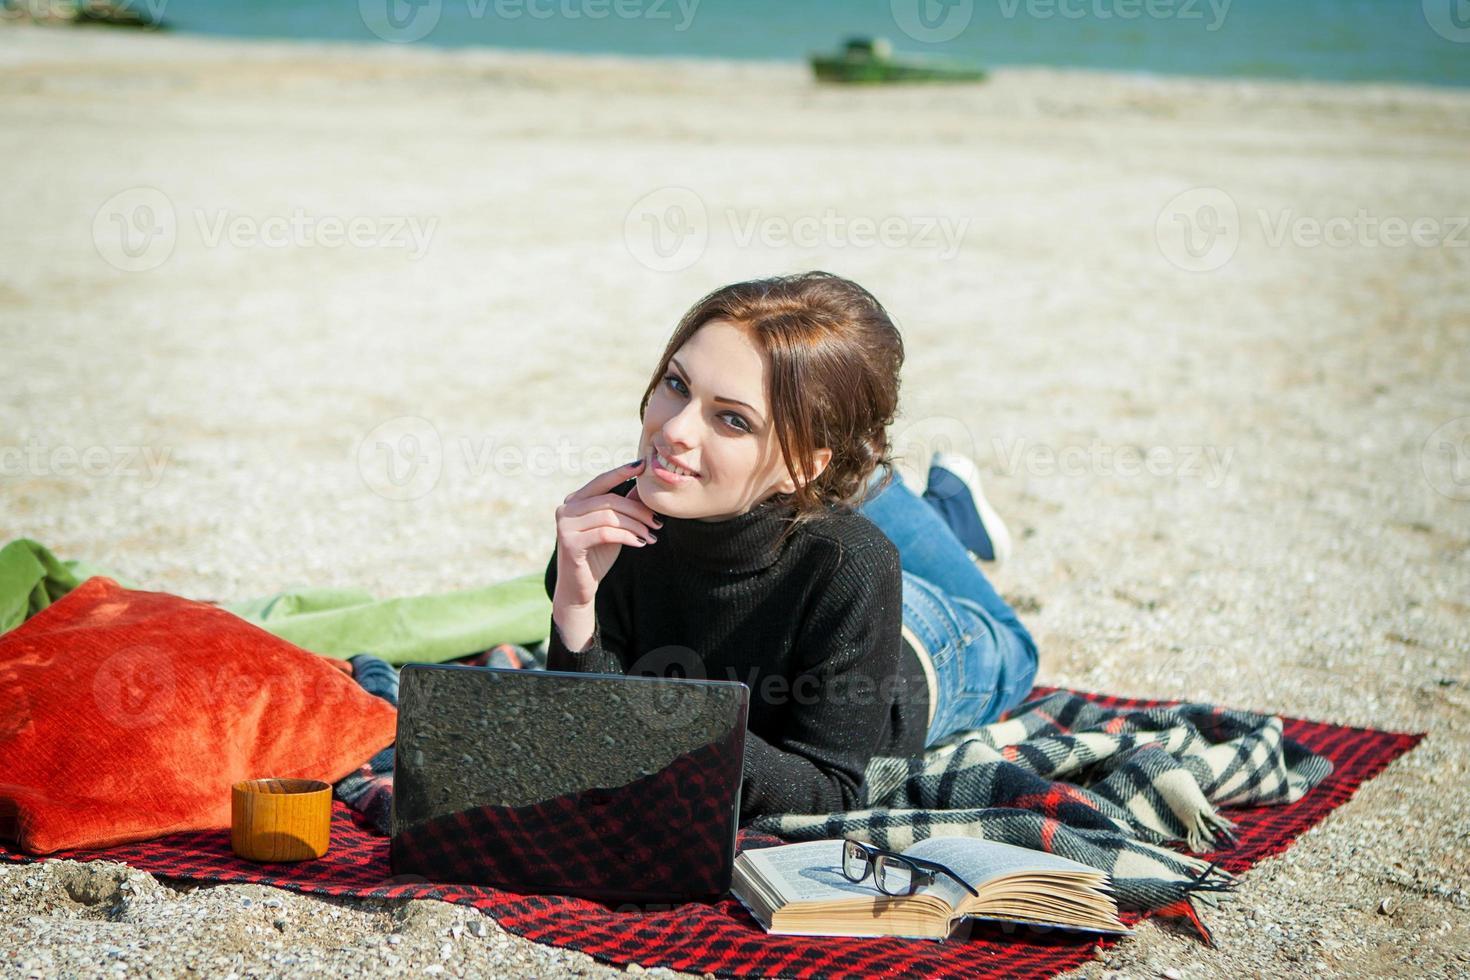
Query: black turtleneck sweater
[[812, 627]]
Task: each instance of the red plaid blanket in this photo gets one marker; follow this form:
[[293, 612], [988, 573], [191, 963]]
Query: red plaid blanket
[[721, 937]]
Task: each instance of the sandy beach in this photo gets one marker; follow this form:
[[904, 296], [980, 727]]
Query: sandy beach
[[303, 314]]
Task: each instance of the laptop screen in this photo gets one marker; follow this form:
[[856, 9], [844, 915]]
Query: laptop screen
[[599, 785]]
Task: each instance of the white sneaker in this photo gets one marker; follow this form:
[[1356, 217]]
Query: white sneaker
[[954, 490]]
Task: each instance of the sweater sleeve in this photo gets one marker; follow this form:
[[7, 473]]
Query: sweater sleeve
[[849, 648], [603, 653]]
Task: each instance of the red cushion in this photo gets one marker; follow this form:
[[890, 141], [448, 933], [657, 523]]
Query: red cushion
[[127, 714]]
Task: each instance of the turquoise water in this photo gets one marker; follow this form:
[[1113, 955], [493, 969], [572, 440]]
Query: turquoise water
[[1426, 41]]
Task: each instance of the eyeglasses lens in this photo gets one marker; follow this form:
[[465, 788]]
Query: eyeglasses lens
[[854, 861], [892, 875]]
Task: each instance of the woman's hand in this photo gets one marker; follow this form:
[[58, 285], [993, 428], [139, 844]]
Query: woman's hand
[[592, 525]]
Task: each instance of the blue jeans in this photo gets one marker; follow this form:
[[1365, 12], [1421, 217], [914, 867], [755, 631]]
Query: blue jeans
[[984, 660]]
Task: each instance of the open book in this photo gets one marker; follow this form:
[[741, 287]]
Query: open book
[[799, 890]]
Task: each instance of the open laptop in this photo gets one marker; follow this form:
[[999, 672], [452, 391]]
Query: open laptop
[[605, 786]]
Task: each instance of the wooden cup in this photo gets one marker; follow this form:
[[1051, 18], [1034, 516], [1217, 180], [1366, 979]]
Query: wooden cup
[[280, 819]]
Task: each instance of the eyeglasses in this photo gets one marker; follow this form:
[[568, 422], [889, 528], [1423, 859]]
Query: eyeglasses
[[894, 873]]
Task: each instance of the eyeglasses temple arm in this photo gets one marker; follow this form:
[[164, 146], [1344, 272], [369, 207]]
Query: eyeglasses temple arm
[[936, 866]]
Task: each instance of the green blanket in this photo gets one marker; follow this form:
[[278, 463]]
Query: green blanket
[[336, 622]]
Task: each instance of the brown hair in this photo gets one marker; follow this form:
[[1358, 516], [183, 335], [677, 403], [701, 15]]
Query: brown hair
[[835, 356]]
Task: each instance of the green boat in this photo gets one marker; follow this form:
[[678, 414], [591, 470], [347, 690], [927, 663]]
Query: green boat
[[870, 60]]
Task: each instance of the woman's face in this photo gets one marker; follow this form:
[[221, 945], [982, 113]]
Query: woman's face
[[710, 414]]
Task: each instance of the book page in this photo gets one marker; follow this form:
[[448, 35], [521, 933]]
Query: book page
[[979, 861], [810, 872]]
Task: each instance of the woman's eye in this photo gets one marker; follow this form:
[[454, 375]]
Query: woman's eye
[[736, 421]]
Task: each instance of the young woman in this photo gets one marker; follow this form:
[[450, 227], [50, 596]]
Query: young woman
[[763, 536]]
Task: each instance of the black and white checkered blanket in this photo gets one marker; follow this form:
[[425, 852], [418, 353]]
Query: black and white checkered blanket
[[1105, 786]]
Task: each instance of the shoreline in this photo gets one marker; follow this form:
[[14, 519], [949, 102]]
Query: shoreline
[[536, 59], [783, 61]]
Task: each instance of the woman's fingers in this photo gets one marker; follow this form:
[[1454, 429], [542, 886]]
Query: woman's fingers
[[607, 534], [603, 482], [606, 517], [611, 501]]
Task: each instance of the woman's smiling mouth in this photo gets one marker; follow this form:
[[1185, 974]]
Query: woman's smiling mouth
[[668, 471]]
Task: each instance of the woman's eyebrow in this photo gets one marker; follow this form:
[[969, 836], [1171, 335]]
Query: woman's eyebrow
[[718, 398]]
